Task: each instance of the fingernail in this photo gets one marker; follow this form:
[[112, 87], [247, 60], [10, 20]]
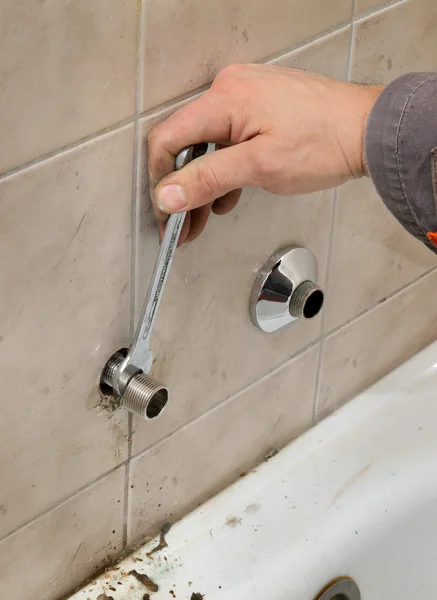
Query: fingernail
[[172, 198]]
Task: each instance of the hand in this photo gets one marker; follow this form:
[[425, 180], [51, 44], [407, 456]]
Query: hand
[[287, 131]]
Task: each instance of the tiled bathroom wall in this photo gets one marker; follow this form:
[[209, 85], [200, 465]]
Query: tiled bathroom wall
[[81, 83]]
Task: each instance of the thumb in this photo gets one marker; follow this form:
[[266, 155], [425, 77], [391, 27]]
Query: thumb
[[206, 178]]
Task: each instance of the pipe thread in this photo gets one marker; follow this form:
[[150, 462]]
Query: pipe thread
[[306, 300], [109, 369], [145, 397]]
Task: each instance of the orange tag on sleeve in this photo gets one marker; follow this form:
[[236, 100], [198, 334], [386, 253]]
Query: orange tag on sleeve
[[432, 236]]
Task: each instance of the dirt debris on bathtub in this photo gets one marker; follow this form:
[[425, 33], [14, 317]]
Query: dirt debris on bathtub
[[197, 596], [271, 454], [233, 521], [162, 541], [145, 580]]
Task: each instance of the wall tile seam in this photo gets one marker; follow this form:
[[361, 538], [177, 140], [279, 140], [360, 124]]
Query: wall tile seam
[[351, 52], [228, 399], [68, 147], [135, 119], [327, 275], [186, 96], [278, 367], [42, 514], [150, 112], [144, 451], [135, 210], [319, 37], [377, 9], [363, 314], [331, 236], [377, 303]]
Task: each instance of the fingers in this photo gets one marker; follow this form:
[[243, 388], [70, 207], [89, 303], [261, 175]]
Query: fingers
[[199, 219], [223, 205], [203, 120], [184, 233], [207, 178], [195, 222]]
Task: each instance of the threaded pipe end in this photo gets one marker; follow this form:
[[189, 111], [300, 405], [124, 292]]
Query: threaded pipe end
[[306, 300], [109, 369], [145, 397]]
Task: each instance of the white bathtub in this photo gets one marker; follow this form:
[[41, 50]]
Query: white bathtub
[[356, 496]]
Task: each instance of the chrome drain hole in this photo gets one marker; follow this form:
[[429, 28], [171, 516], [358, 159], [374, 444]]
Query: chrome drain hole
[[340, 589]]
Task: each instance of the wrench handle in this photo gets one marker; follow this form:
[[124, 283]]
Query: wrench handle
[[159, 277]]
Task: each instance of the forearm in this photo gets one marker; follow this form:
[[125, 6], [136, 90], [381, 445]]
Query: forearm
[[401, 152]]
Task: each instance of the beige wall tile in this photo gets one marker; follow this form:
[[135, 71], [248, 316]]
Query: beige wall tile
[[368, 348], [186, 43], [372, 254], [198, 461], [396, 41], [57, 552], [328, 56], [64, 306], [67, 69]]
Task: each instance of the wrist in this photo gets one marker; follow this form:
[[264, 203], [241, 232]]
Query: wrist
[[371, 94]]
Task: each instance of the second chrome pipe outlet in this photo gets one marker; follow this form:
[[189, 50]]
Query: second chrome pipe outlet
[[286, 290]]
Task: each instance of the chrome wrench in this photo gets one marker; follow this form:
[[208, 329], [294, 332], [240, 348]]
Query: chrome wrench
[[123, 370]]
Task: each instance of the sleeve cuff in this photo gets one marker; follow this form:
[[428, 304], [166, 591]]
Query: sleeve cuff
[[401, 135]]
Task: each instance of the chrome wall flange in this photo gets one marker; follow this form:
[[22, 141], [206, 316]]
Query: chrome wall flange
[[286, 290]]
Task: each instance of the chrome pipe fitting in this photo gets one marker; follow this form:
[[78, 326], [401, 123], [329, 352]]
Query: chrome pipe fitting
[[285, 290], [143, 395], [306, 301]]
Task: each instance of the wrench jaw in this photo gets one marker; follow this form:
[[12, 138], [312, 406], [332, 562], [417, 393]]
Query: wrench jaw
[[128, 368]]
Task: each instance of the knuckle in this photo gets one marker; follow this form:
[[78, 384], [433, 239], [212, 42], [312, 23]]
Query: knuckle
[[264, 166], [153, 135], [207, 178], [230, 73]]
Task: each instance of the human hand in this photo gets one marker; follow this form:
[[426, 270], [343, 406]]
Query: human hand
[[287, 131]]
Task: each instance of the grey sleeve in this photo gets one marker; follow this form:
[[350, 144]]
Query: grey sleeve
[[401, 153]]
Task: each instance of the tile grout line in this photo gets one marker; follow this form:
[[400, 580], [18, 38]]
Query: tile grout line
[[351, 52], [215, 407], [228, 399], [320, 340], [379, 9], [305, 43], [64, 500], [126, 499], [362, 314], [134, 242], [186, 96], [331, 235], [322, 325], [68, 147], [297, 354]]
